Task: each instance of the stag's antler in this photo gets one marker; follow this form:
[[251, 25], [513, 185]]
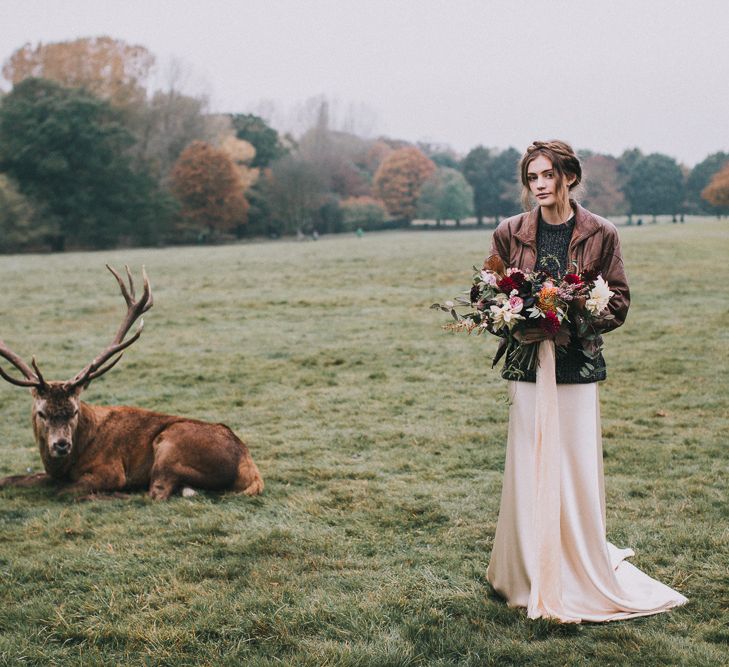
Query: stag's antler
[[135, 309], [32, 379]]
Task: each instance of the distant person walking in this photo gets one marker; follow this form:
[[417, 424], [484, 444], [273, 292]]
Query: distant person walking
[[550, 551]]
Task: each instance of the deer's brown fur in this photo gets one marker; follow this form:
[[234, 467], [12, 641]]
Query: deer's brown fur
[[88, 449], [117, 448]]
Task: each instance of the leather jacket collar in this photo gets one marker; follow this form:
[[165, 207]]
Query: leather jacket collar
[[585, 226]]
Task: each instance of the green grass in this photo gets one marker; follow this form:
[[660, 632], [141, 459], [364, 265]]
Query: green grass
[[381, 439]]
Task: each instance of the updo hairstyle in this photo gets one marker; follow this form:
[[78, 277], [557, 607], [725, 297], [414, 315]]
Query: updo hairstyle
[[565, 163]]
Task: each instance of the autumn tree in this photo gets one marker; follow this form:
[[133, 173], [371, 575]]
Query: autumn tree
[[67, 151], [242, 154], [166, 124], [209, 188], [398, 181], [716, 192], [698, 180], [109, 68], [602, 185], [446, 195]]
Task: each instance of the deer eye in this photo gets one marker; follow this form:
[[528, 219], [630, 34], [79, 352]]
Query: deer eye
[[41, 414]]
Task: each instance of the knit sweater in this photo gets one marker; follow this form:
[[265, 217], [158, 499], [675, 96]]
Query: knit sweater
[[553, 257]]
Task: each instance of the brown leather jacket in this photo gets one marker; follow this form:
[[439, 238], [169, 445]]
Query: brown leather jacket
[[594, 245]]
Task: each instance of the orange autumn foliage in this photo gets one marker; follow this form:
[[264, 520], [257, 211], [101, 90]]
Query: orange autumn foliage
[[209, 186], [242, 153], [717, 192], [108, 68], [399, 178]]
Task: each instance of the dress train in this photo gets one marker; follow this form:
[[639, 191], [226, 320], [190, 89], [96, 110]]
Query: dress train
[[550, 551]]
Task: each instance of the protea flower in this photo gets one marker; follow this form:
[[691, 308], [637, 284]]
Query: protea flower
[[547, 298]]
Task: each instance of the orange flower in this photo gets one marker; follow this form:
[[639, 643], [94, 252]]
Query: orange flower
[[547, 298]]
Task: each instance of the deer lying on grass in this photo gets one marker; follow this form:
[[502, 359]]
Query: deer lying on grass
[[88, 449]]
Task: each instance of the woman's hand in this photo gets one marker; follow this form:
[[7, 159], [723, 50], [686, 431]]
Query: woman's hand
[[531, 336]]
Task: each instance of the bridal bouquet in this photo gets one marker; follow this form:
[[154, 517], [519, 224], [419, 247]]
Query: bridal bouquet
[[510, 302]]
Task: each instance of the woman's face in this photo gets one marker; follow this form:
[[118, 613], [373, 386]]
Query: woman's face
[[543, 182]]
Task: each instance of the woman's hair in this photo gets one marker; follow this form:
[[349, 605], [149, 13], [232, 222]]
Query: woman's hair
[[564, 163]]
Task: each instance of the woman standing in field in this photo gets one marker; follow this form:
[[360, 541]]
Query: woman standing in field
[[550, 552]]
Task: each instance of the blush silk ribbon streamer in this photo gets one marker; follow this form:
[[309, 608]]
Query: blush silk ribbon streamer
[[545, 597]]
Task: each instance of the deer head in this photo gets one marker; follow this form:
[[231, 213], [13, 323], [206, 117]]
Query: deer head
[[56, 405]]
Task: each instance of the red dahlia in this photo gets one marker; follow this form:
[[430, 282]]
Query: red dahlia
[[549, 323], [507, 284], [518, 278], [572, 279]]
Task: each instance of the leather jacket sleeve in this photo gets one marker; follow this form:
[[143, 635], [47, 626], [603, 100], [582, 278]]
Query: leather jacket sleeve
[[613, 272], [500, 244]]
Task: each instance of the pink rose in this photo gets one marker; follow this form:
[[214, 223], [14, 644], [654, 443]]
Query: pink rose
[[516, 304], [488, 277]]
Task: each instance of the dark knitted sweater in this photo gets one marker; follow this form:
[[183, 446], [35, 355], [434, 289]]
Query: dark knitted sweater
[[552, 256]]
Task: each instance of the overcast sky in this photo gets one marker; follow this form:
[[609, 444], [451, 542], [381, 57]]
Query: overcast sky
[[604, 75]]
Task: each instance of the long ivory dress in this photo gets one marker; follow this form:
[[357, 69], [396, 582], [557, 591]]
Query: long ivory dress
[[550, 552]]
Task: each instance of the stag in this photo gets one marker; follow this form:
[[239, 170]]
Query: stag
[[90, 449]]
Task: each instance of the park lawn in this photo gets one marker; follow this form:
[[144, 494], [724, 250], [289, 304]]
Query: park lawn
[[381, 440]]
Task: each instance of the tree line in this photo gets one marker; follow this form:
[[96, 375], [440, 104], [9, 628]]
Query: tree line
[[91, 158]]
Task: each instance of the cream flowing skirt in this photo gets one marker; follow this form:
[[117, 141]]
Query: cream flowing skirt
[[550, 552]]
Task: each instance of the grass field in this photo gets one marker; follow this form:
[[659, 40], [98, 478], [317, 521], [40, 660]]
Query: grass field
[[381, 439]]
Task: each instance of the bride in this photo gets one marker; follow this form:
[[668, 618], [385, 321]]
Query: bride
[[550, 551]]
